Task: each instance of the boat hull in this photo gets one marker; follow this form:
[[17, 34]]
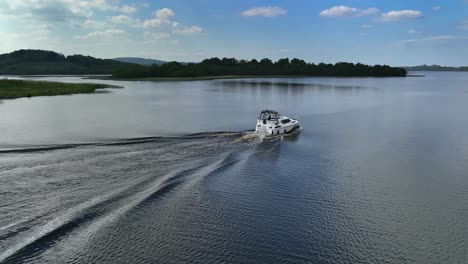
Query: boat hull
[[275, 129]]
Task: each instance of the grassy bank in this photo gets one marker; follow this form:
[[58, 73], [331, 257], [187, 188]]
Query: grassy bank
[[11, 89]]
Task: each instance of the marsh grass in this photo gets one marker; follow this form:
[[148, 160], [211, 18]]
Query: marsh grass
[[11, 89]]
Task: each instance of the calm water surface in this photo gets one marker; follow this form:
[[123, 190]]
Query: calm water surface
[[170, 172]]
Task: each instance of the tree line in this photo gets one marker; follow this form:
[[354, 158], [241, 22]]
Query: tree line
[[49, 62], [264, 67]]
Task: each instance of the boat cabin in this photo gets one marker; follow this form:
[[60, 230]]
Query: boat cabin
[[269, 115]]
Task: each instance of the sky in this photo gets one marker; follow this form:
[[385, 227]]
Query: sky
[[393, 32]]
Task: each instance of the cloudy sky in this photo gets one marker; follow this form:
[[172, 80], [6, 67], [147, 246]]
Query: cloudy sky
[[395, 32]]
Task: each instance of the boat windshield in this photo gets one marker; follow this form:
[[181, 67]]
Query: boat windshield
[[269, 115]]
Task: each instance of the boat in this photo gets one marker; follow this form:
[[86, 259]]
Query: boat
[[273, 123]]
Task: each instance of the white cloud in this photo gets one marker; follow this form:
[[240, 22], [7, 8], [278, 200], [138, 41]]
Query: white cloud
[[164, 13], [125, 20], [128, 9], [105, 33], [89, 27], [266, 11], [121, 19], [148, 23], [346, 11], [104, 5], [445, 37], [41, 32], [435, 39], [99, 4], [366, 26], [18, 4], [435, 8], [413, 32], [400, 15], [157, 35], [54, 11], [35, 39], [90, 23], [164, 19], [352, 12], [42, 10], [188, 30]]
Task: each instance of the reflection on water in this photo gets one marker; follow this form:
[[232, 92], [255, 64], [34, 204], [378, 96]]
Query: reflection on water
[[285, 88]]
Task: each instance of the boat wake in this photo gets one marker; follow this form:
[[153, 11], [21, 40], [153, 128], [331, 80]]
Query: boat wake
[[76, 191], [246, 136]]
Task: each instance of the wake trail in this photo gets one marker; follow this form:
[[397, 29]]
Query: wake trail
[[107, 208], [130, 141]]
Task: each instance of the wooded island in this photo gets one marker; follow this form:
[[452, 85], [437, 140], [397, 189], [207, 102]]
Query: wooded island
[[40, 62]]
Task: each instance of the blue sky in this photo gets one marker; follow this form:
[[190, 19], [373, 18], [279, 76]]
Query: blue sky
[[395, 32]]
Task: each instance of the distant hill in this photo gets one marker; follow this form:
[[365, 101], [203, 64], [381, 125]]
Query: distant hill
[[35, 62], [435, 68], [140, 61]]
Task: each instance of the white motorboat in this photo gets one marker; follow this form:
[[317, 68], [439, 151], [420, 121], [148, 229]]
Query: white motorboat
[[273, 123]]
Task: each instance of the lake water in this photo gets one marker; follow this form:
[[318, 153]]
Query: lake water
[[170, 172]]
